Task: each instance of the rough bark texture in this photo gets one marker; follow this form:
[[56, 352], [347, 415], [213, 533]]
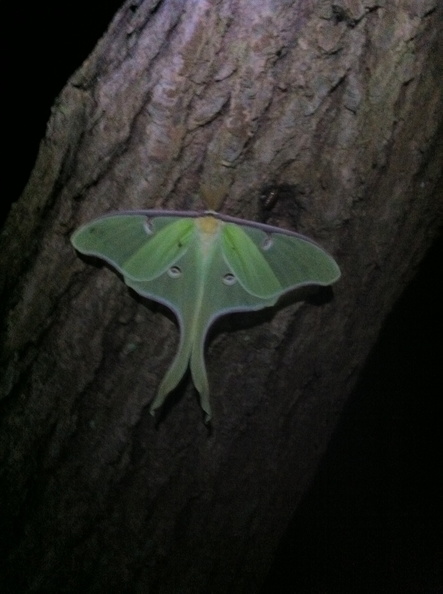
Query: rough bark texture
[[340, 105]]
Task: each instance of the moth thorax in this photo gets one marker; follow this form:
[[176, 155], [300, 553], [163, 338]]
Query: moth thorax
[[208, 225]]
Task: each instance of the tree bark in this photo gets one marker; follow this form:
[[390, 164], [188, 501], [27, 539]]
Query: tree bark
[[336, 106]]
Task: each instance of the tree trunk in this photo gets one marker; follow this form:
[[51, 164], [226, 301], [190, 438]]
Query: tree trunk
[[336, 107]]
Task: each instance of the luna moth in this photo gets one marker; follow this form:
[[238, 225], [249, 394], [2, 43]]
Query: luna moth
[[203, 265]]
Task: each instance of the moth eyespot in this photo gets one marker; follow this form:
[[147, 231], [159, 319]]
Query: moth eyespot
[[174, 272], [229, 279], [267, 243], [147, 226]]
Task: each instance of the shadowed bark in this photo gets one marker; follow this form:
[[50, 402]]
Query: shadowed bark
[[337, 107]]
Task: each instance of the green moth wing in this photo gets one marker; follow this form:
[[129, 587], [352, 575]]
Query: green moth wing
[[202, 266]]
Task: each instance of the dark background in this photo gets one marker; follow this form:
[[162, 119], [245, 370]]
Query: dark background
[[370, 522]]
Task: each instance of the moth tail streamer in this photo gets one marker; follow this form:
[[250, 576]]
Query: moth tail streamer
[[200, 378], [173, 376]]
